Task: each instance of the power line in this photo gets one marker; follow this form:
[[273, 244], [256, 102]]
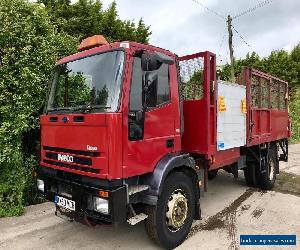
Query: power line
[[231, 27], [208, 9], [221, 43], [243, 39], [220, 46], [259, 5]]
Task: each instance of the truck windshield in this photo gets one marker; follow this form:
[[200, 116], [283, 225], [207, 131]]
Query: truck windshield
[[90, 83]]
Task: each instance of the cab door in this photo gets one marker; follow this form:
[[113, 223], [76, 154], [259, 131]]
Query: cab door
[[151, 134]]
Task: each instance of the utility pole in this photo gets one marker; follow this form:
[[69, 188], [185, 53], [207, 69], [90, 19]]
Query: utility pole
[[229, 20]]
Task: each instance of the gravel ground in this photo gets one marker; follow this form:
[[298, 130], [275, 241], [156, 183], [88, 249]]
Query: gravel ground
[[229, 209]]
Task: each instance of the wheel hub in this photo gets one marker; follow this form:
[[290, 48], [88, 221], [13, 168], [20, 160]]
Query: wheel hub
[[177, 209], [271, 169]]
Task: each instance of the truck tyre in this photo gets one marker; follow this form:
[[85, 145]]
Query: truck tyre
[[212, 174], [267, 179], [169, 222], [251, 175]]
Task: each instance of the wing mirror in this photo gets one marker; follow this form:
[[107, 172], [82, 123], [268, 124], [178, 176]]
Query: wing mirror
[[150, 78], [153, 61], [150, 63]]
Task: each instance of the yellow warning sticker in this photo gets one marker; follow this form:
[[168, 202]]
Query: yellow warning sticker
[[222, 104], [244, 106]]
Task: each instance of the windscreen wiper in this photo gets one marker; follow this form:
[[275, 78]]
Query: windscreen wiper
[[88, 108], [83, 108], [60, 109]]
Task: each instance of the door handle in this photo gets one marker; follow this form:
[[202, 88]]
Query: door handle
[[170, 143]]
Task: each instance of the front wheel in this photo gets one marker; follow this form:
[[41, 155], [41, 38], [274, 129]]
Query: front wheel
[[169, 222]]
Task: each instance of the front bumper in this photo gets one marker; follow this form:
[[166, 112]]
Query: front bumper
[[82, 193]]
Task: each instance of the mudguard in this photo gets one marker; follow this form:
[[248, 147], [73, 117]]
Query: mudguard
[[168, 163]]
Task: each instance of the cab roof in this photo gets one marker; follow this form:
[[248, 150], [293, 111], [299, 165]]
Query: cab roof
[[126, 46]]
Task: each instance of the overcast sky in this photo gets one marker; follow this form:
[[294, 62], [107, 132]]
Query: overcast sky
[[184, 27]]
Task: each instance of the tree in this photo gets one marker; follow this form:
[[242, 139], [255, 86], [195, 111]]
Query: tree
[[251, 60], [279, 63], [85, 18], [295, 58], [29, 47]]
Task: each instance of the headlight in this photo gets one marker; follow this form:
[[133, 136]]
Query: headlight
[[100, 205], [40, 185]]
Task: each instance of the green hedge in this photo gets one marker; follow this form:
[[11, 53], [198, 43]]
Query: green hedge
[[294, 111], [29, 47], [32, 37]]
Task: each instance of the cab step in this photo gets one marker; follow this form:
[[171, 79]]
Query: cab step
[[137, 189], [137, 218]]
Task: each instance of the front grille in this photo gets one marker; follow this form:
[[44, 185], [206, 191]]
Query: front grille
[[71, 159], [72, 151], [70, 166], [76, 159]]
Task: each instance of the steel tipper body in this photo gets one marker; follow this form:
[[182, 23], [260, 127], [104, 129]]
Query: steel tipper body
[[234, 126], [131, 132]]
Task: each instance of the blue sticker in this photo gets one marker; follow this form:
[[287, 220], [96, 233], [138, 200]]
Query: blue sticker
[[268, 240], [55, 199], [221, 145]]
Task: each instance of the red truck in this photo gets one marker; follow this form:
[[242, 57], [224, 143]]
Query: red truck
[[132, 132]]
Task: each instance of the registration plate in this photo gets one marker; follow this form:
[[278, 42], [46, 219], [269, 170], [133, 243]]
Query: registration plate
[[65, 203]]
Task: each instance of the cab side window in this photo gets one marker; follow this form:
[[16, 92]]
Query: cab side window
[[163, 85], [136, 124], [159, 93], [136, 90]]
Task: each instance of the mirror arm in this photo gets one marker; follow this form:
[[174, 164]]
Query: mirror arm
[[144, 91]]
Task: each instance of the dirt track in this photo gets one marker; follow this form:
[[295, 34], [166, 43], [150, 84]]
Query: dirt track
[[229, 209]]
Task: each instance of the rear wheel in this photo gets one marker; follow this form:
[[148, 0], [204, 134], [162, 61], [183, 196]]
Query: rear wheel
[[267, 179], [169, 222], [212, 174], [251, 175]]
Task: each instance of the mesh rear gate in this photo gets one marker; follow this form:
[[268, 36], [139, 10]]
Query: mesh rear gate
[[198, 82], [191, 78]]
